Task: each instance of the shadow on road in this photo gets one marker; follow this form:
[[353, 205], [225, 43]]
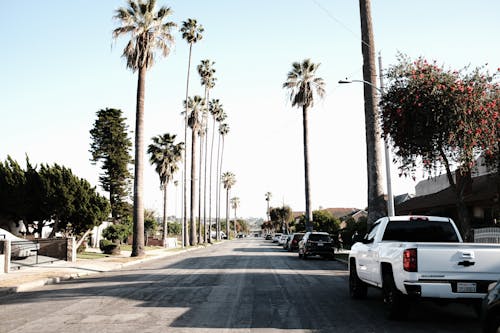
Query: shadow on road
[[276, 291]]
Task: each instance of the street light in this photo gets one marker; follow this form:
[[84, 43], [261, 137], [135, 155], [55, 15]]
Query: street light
[[390, 197]]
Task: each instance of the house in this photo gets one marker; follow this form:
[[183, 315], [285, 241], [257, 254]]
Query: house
[[341, 213], [434, 196]]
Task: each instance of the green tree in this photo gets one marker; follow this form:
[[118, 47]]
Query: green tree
[[111, 146], [352, 227], [116, 233], [165, 155], [228, 179], [303, 84], [281, 218], [191, 33], [323, 221], [439, 118], [149, 32], [194, 105]]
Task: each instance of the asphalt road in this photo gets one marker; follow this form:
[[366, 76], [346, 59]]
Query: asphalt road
[[245, 285]]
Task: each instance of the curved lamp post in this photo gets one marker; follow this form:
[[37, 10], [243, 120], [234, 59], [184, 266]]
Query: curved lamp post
[[390, 197]]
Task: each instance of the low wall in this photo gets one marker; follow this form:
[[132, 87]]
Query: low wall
[[4, 256]]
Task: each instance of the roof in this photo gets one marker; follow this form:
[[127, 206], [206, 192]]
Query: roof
[[336, 212], [483, 189]]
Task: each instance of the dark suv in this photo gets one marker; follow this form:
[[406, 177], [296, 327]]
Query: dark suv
[[316, 243]]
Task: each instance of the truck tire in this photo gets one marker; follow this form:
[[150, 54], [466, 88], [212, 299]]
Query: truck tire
[[396, 304], [357, 288]]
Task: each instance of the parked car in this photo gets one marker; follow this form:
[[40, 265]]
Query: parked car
[[213, 234], [282, 239], [316, 243], [293, 245], [276, 237], [490, 316], [287, 241], [20, 248], [269, 237]]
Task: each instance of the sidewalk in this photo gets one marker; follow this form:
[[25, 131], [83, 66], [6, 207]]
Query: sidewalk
[[39, 275]]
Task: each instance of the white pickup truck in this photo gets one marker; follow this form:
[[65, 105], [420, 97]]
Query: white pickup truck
[[411, 257]]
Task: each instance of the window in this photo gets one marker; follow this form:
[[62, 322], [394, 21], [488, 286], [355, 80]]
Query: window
[[319, 237], [373, 231], [420, 231]]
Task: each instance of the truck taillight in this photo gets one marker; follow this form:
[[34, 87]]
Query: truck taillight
[[410, 260]]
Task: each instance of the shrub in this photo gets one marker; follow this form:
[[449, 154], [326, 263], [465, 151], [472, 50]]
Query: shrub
[[108, 247]]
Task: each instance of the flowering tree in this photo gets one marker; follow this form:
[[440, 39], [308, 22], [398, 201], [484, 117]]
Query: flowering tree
[[439, 118]]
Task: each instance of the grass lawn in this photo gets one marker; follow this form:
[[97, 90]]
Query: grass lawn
[[91, 255], [128, 247]]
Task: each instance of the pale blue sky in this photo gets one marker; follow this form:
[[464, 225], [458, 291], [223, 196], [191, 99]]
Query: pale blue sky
[[60, 67]]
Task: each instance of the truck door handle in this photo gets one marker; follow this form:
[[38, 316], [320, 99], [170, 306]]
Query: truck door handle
[[466, 263]]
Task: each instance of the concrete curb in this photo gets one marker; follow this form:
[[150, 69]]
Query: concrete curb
[[37, 283]]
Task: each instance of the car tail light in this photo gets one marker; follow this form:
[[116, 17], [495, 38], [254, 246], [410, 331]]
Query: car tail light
[[410, 260]]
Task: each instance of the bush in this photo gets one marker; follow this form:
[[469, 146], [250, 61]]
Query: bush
[[108, 247], [116, 232]]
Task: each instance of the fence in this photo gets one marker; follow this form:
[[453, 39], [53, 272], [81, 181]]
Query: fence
[[487, 235]]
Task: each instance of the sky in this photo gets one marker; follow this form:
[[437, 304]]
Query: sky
[[60, 66]]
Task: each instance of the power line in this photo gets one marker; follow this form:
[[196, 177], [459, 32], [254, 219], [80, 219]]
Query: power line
[[339, 22]]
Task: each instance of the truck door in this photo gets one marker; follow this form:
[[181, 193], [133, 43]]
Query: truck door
[[368, 260]]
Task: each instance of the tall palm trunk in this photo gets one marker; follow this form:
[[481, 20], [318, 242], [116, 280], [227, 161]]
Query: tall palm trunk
[[210, 185], [220, 181], [227, 213], [138, 234], [192, 217], [205, 237], [184, 174], [376, 207], [165, 227], [309, 216], [200, 239], [217, 190]]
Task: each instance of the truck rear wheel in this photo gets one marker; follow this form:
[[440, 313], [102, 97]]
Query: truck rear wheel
[[396, 304], [357, 288]]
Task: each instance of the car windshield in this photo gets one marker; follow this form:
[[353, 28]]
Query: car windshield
[[319, 237], [420, 231]]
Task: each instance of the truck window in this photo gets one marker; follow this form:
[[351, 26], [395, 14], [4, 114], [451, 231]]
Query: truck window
[[420, 231]]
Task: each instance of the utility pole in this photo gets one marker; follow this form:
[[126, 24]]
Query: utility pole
[[376, 207], [390, 196]]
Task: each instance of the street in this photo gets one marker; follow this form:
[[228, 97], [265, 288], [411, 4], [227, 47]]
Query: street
[[245, 285]]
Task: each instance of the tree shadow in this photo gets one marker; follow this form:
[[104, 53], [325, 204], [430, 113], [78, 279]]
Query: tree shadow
[[247, 291]]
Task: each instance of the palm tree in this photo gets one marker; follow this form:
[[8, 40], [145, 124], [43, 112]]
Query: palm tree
[[268, 198], [192, 33], [228, 179], [376, 207], [165, 155], [206, 72], [217, 112], [235, 203], [195, 106], [149, 32], [302, 85], [223, 131]]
